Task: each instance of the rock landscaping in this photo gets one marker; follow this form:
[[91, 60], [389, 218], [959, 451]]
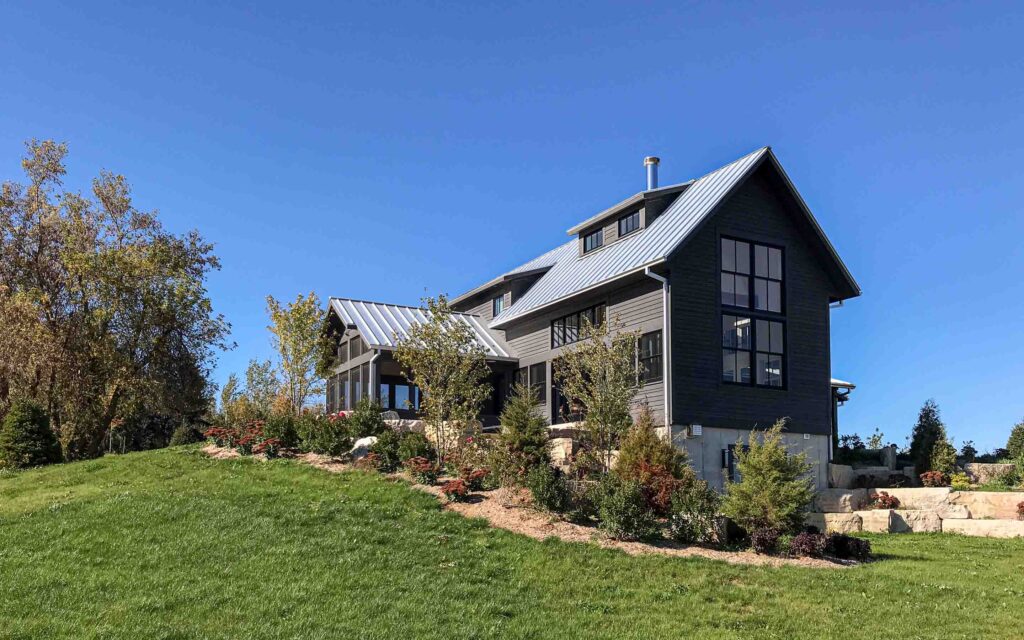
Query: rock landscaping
[[921, 510]]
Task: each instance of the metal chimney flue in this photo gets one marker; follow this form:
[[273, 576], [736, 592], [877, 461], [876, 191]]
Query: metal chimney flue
[[651, 162]]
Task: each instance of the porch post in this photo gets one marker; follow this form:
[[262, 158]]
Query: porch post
[[374, 382]]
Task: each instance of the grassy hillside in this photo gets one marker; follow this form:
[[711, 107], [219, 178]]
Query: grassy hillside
[[169, 544]]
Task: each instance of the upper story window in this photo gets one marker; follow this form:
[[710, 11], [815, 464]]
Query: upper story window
[[343, 352], [355, 348], [629, 223], [753, 340], [649, 357], [593, 240], [761, 290], [569, 329], [497, 305]]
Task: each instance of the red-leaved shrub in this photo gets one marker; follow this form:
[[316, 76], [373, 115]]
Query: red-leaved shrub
[[1020, 510], [222, 436], [455, 490], [423, 470], [657, 485], [883, 500], [934, 479], [474, 478], [270, 447], [808, 544]]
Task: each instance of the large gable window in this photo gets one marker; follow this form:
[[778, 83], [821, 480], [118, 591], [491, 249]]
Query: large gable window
[[753, 340]]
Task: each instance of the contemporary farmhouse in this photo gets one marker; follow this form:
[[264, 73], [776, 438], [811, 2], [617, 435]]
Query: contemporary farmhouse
[[728, 278]]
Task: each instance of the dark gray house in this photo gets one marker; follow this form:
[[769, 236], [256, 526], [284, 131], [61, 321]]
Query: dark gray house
[[729, 279]]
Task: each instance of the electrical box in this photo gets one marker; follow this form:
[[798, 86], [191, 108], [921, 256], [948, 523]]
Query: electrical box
[[694, 431]]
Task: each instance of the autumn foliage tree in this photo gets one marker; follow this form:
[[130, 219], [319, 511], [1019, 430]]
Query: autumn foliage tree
[[105, 313], [297, 330]]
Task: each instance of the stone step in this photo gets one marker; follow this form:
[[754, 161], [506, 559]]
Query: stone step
[[985, 528]]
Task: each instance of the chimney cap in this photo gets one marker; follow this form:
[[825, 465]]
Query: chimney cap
[[652, 160]]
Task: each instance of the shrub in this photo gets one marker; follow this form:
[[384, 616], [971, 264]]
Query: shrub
[[248, 437], [523, 442], [26, 439], [424, 471], [270, 447], [549, 489], [807, 544], [474, 478], [765, 540], [960, 482], [622, 510], [455, 490], [694, 513], [222, 436], [1020, 510], [282, 428], [415, 445], [897, 480], [366, 419], [883, 500], [641, 449], [1015, 444], [325, 435], [774, 490], [943, 457], [934, 479], [386, 449], [846, 547], [371, 461], [185, 434], [1005, 478]]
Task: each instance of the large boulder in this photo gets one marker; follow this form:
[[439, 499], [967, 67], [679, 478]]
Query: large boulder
[[361, 447], [840, 476], [989, 504], [920, 498], [954, 512], [986, 528], [840, 500], [876, 520], [924, 521]]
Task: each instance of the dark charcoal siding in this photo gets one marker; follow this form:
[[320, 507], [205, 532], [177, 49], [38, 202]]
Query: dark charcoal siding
[[756, 212]]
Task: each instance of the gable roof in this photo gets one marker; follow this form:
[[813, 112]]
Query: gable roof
[[383, 325], [573, 274]]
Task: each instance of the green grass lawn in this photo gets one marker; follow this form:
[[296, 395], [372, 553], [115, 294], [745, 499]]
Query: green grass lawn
[[170, 544]]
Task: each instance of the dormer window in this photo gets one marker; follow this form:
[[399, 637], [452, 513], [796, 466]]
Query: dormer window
[[629, 223], [593, 240], [497, 305]]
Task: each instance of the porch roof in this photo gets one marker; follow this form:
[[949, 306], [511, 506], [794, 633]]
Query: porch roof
[[383, 325]]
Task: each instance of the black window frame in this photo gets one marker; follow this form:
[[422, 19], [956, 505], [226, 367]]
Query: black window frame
[[343, 390], [497, 305], [537, 383], [654, 368], [560, 327], [597, 244], [751, 312], [630, 220]]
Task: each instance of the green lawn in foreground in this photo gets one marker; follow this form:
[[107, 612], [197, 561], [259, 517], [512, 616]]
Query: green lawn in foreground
[[170, 544]]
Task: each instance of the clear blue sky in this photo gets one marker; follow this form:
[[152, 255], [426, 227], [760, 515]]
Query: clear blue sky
[[384, 152]]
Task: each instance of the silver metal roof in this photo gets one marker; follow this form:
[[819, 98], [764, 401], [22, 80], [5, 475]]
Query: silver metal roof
[[383, 325], [633, 199], [573, 274]]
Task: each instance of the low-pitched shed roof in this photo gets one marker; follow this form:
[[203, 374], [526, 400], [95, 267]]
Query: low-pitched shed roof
[[573, 274], [382, 325]]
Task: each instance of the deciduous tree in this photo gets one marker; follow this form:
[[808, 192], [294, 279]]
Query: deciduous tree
[[297, 330]]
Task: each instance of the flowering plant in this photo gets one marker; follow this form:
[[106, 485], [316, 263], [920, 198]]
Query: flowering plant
[[270, 447], [474, 478], [883, 500], [455, 490], [222, 436], [423, 470], [934, 479]]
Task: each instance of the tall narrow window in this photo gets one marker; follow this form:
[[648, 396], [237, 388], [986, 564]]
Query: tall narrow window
[[753, 340], [735, 273], [767, 278], [629, 223], [649, 357], [497, 305], [593, 240], [770, 353], [364, 373], [342, 391], [539, 381]]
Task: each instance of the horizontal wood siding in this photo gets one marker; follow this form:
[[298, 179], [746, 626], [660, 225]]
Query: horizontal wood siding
[[636, 304], [755, 212]]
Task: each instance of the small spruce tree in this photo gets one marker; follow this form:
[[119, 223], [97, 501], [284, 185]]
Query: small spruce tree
[[641, 444], [928, 432], [774, 489], [26, 439], [523, 441]]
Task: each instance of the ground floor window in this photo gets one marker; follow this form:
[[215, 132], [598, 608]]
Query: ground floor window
[[398, 393], [536, 378]]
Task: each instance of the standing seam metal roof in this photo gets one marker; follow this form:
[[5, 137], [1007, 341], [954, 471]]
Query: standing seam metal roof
[[383, 325], [573, 274]]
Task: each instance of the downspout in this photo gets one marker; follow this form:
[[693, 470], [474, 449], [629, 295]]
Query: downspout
[[666, 341], [374, 391]]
